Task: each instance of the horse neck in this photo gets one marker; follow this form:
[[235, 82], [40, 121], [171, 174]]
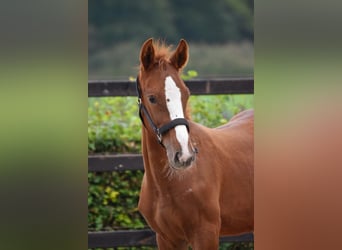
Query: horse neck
[[155, 160]]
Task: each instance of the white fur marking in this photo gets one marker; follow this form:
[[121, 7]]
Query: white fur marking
[[174, 105]]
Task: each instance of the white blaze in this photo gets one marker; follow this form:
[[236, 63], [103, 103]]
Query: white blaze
[[174, 105]]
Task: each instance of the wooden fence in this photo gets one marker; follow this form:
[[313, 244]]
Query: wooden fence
[[121, 162]]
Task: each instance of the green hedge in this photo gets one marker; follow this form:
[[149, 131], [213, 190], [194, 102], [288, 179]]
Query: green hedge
[[114, 127]]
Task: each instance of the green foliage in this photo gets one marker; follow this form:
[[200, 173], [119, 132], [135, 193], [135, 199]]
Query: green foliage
[[113, 199], [189, 74], [237, 246], [113, 125], [214, 111]]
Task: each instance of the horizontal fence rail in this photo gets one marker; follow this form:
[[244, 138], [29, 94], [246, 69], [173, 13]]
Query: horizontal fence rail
[[108, 163], [245, 85], [123, 162], [143, 237]]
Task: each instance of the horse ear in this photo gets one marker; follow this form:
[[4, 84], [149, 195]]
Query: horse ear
[[147, 54], [180, 57]]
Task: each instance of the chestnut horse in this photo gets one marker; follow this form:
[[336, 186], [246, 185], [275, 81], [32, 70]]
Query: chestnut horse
[[198, 181]]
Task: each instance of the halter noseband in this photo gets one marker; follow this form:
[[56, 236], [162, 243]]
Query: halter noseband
[[163, 129]]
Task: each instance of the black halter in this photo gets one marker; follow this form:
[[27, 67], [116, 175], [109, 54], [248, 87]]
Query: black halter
[[163, 129]]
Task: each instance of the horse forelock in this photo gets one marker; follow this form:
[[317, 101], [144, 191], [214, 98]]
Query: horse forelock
[[161, 50]]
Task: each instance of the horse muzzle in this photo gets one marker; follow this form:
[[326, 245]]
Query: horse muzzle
[[180, 160]]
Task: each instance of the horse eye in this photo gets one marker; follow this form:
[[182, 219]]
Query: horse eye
[[152, 99]]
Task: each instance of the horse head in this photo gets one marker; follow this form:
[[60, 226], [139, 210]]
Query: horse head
[[163, 98]]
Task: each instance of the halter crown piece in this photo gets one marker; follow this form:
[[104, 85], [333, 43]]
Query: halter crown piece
[[163, 129]]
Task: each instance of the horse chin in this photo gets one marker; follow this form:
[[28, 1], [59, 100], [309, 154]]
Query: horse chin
[[179, 167], [173, 171]]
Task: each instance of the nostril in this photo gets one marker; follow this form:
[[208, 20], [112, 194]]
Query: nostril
[[191, 159], [177, 156]]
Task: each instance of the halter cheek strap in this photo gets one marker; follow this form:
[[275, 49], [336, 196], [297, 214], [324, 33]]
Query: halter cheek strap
[[163, 129]]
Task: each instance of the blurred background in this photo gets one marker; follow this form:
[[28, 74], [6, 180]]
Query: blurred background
[[219, 32], [43, 89]]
